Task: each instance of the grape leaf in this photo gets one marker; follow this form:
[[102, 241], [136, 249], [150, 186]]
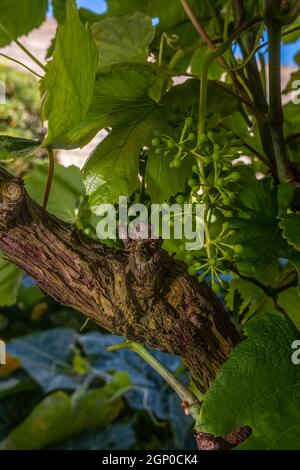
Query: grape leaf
[[112, 169], [19, 17], [118, 95], [10, 281], [257, 227], [15, 147], [123, 39], [259, 387], [58, 420], [162, 181], [69, 81]]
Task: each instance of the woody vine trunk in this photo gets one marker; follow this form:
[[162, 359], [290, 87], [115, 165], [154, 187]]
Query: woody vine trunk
[[140, 293]]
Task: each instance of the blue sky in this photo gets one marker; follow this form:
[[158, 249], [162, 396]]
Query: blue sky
[[288, 50]]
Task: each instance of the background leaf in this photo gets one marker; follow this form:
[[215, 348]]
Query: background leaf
[[123, 39], [19, 17], [69, 81]]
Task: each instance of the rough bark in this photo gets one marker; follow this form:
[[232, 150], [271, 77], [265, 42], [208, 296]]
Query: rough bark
[[140, 293]]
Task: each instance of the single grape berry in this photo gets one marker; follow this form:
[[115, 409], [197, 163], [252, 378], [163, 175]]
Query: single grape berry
[[238, 249], [171, 143], [226, 226], [188, 121], [192, 182], [177, 163], [191, 136], [192, 271], [202, 138], [158, 151], [155, 142], [195, 169], [226, 201], [234, 176]]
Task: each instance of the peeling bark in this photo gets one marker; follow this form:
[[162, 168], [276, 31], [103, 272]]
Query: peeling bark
[[140, 293]]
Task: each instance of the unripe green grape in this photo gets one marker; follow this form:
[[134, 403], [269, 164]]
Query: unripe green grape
[[158, 151], [171, 143], [191, 136], [228, 213], [202, 138], [171, 164], [180, 199], [155, 142], [234, 176], [195, 169], [192, 182], [232, 233], [177, 163], [226, 200], [231, 195], [238, 249], [225, 226], [188, 121]]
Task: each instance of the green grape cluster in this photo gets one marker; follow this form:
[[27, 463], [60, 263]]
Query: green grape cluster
[[177, 148], [213, 183]]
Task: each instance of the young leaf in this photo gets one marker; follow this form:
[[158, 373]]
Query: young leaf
[[123, 39], [19, 17], [258, 387], [69, 81], [14, 147]]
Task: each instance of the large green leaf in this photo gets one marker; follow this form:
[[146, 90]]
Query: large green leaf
[[10, 281], [123, 39], [56, 419], [119, 95], [112, 169], [19, 17], [66, 190], [14, 147], [69, 81], [258, 387]]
